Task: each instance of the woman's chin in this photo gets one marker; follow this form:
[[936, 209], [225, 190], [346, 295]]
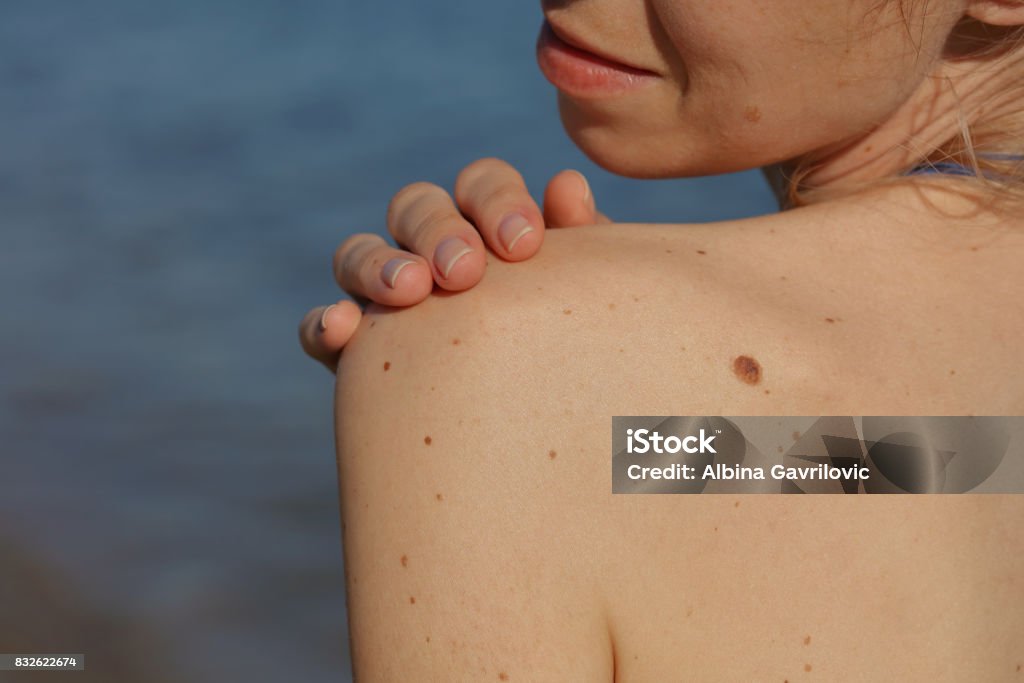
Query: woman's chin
[[617, 154]]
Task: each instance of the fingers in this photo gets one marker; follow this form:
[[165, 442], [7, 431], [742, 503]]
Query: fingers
[[367, 267], [493, 195], [324, 331], [568, 202], [423, 218]]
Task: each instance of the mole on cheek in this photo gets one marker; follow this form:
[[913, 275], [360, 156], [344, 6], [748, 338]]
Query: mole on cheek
[[747, 369]]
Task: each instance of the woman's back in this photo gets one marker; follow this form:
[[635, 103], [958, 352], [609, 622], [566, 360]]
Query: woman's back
[[482, 538]]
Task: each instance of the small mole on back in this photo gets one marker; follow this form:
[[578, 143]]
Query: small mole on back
[[372, 323], [455, 342], [387, 365], [412, 600], [503, 676], [807, 667], [567, 311], [405, 560], [701, 252], [807, 640], [439, 497], [552, 454], [427, 440], [752, 114], [747, 369]]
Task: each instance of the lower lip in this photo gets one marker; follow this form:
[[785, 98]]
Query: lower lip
[[577, 72]]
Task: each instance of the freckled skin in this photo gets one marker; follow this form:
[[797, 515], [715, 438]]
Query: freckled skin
[[567, 311], [747, 369], [807, 667], [807, 640], [503, 676], [440, 497]]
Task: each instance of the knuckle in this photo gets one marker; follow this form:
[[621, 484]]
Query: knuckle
[[431, 223], [351, 257], [503, 195], [408, 196], [482, 169], [353, 244]]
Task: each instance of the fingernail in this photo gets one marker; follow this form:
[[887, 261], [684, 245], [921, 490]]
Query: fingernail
[[586, 186], [323, 318], [389, 273], [448, 252], [512, 228]]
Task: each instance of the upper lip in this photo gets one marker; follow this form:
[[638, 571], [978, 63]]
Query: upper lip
[[575, 41]]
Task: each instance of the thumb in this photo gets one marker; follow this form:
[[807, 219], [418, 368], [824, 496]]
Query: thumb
[[568, 202]]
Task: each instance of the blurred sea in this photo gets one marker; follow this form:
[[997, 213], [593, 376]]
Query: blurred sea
[[174, 178]]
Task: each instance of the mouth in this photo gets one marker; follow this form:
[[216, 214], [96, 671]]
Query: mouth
[[575, 68]]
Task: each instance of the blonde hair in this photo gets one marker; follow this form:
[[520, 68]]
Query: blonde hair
[[993, 147]]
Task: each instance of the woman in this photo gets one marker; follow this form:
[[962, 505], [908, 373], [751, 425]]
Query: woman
[[481, 536]]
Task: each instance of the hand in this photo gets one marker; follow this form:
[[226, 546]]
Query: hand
[[441, 242]]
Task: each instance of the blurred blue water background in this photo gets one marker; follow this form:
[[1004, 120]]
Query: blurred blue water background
[[174, 178]]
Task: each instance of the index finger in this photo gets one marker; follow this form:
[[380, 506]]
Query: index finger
[[493, 195]]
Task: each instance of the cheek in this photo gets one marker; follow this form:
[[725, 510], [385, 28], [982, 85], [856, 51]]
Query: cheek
[[754, 83]]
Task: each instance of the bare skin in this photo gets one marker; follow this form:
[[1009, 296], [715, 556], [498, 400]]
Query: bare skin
[[482, 540], [514, 561]]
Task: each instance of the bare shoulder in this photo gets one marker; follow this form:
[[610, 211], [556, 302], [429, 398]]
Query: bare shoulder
[[481, 537], [849, 310]]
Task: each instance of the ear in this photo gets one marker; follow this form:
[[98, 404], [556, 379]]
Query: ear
[[997, 12]]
